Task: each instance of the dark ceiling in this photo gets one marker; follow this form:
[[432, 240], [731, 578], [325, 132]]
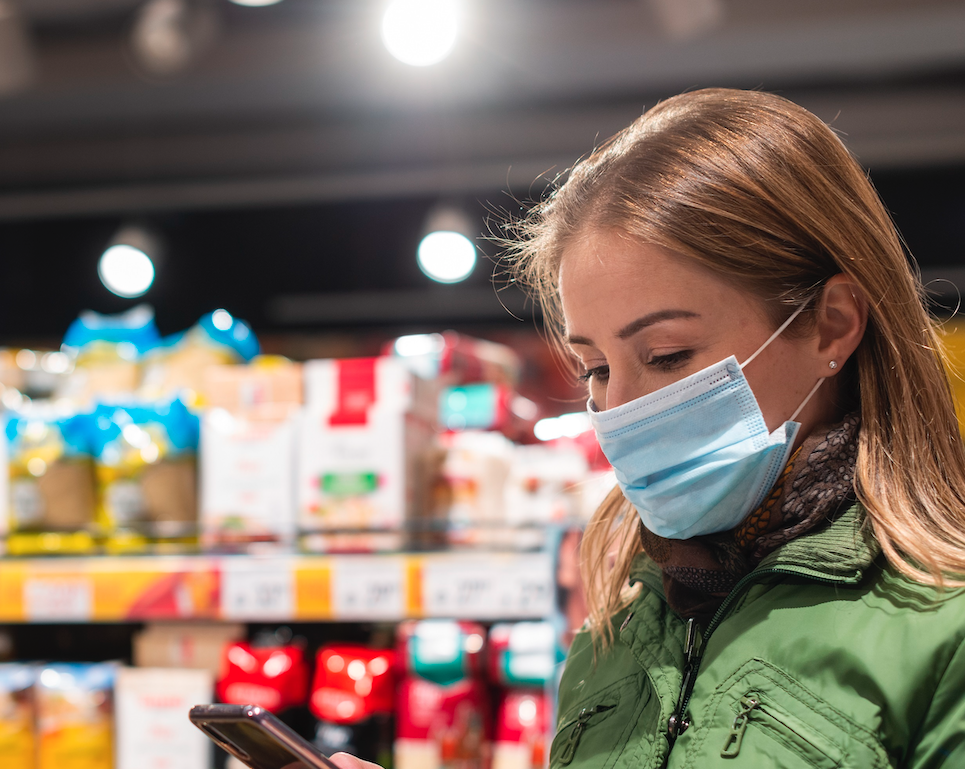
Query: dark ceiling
[[289, 168]]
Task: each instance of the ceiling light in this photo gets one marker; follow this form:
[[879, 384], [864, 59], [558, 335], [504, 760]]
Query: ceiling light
[[255, 3], [420, 32], [126, 267], [447, 253], [168, 35]]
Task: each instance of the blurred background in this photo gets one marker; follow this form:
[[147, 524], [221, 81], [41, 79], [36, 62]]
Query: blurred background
[[326, 177], [287, 164]]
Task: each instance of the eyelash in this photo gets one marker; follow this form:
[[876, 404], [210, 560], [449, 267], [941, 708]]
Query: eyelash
[[666, 362]]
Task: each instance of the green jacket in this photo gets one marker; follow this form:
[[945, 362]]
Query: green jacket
[[823, 656]]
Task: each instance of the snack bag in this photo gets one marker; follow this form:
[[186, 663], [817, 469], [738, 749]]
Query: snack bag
[[145, 461], [17, 744], [273, 677], [75, 716], [353, 698], [51, 481], [107, 351], [177, 367]]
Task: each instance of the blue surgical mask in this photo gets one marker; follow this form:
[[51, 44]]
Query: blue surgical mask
[[696, 457]]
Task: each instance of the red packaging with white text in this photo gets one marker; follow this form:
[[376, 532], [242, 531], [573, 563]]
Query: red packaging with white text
[[363, 447], [523, 728], [353, 698], [273, 677], [442, 726]]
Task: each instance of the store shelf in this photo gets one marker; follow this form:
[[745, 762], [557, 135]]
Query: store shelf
[[293, 588]]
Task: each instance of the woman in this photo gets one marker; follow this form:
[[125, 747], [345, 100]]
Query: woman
[[773, 582]]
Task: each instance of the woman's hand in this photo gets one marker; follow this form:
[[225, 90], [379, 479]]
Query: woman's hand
[[345, 761]]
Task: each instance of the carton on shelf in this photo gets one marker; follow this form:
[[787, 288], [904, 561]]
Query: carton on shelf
[[364, 442], [241, 388], [153, 731], [247, 478], [197, 646]]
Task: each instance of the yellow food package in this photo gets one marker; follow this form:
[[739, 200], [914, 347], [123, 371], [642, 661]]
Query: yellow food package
[[75, 716], [17, 744]]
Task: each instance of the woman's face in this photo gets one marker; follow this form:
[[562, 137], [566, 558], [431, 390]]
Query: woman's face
[[639, 317]]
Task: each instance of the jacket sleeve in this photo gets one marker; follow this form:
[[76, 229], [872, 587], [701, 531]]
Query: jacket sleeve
[[941, 739]]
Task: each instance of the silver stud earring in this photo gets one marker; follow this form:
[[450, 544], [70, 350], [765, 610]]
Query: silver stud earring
[[833, 365]]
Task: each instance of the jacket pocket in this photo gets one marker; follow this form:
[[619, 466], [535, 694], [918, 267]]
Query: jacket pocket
[[757, 718], [594, 731], [761, 717]]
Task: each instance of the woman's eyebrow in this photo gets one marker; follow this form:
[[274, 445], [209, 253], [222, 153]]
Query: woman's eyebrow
[[637, 325], [655, 317]]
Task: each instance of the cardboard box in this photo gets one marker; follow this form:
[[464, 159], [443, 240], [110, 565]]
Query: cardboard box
[[153, 731], [247, 479], [199, 646], [242, 388]]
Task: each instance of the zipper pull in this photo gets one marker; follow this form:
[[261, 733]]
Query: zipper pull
[[732, 745], [679, 722], [569, 748]]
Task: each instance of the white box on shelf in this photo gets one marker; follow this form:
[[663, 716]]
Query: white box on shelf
[[247, 477], [369, 475], [359, 385], [153, 731]]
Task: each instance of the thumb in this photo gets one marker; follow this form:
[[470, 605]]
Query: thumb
[[345, 761]]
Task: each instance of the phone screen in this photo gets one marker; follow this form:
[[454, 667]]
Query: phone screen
[[258, 748]]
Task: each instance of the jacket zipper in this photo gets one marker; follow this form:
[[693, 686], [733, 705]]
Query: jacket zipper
[[568, 751], [678, 722], [732, 745]]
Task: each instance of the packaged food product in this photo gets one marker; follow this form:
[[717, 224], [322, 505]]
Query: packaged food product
[[353, 698], [442, 726], [523, 730], [266, 381], [454, 359], [17, 714], [186, 645], [145, 461], [247, 478], [469, 491], [153, 731], [75, 716], [177, 366], [441, 650], [524, 654], [363, 447], [274, 677], [51, 480], [106, 351]]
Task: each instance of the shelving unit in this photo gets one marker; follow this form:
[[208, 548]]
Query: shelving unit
[[265, 588]]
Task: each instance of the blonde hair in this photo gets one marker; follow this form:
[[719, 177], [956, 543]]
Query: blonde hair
[[761, 191]]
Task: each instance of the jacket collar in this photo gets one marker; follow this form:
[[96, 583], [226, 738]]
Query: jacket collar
[[841, 552]]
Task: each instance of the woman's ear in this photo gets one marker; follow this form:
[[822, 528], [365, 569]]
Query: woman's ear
[[842, 316]]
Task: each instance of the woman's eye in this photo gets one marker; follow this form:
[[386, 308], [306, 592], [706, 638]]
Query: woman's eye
[[599, 373], [671, 361]]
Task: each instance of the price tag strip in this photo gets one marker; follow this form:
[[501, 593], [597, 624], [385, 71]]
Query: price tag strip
[[254, 588], [490, 586], [369, 588], [64, 598]]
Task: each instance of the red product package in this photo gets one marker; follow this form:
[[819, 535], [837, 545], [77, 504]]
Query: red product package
[[442, 726], [352, 683], [523, 730], [273, 677]]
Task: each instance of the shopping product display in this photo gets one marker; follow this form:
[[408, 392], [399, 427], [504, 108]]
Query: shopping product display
[[75, 716], [212, 484]]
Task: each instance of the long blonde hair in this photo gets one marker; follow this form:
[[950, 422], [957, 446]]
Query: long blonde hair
[[764, 193]]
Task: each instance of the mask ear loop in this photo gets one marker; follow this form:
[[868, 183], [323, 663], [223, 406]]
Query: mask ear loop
[[776, 334], [804, 403]]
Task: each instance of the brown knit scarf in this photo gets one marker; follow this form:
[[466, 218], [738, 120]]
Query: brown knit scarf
[[698, 573]]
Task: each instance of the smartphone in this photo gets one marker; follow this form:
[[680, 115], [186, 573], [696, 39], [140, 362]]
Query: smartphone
[[257, 737]]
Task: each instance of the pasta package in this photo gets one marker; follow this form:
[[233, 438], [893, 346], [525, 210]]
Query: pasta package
[[17, 743], [75, 716]]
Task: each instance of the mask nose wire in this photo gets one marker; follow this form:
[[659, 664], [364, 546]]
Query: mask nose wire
[[776, 334]]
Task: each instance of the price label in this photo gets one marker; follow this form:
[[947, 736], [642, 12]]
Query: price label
[[257, 589], [489, 587], [65, 599], [368, 588]]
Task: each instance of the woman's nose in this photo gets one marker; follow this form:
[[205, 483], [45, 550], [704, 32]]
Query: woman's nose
[[620, 391]]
